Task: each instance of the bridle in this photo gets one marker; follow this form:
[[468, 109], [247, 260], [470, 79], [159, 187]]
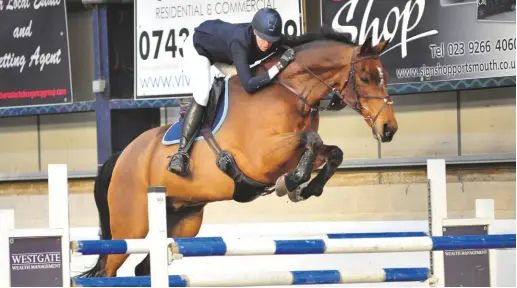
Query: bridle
[[338, 101]]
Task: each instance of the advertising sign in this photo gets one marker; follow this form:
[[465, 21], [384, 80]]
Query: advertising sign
[[467, 268], [36, 261], [34, 56], [435, 45], [163, 25]]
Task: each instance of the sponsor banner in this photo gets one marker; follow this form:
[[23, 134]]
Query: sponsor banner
[[34, 56], [163, 25], [36, 261], [433, 42], [467, 268]]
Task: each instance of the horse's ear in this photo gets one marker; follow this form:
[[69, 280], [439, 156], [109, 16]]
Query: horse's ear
[[366, 48], [379, 48]]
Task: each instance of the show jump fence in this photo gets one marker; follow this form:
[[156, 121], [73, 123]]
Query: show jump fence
[[19, 265]]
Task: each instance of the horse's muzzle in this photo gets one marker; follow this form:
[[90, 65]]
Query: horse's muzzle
[[387, 132]]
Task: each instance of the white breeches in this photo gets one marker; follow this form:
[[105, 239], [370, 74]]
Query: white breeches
[[199, 69]]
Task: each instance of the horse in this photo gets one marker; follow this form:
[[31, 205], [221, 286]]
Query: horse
[[267, 143]]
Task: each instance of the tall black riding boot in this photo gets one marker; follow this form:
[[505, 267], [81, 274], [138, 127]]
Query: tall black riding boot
[[180, 161]]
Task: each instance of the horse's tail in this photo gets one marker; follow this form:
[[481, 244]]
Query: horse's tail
[[100, 193]]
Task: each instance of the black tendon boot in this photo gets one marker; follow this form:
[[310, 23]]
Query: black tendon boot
[[180, 161]]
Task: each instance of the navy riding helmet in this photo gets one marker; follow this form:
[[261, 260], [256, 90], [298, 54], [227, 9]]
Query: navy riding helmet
[[268, 24]]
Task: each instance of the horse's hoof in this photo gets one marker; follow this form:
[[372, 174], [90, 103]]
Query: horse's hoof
[[280, 188], [318, 192], [296, 195]]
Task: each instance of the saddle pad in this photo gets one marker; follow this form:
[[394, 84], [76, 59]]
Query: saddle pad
[[173, 134]]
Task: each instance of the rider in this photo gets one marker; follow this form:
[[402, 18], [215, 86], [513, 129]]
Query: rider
[[242, 44]]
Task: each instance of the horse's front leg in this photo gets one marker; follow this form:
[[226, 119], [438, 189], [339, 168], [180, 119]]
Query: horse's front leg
[[288, 183], [332, 157]]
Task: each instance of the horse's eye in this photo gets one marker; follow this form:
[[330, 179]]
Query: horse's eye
[[365, 80]]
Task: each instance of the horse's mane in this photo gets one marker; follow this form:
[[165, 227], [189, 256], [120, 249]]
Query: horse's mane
[[305, 41], [325, 33]]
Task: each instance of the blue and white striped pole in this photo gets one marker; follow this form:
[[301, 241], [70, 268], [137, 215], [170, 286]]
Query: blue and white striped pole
[[136, 246], [217, 246], [267, 278], [221, 246]]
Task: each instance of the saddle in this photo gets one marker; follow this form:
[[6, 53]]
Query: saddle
[[246, 189], [216, 91]]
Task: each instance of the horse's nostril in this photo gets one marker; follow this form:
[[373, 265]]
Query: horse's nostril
[[386, 129]]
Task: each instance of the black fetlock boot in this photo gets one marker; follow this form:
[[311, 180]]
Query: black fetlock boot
[[180, 161]]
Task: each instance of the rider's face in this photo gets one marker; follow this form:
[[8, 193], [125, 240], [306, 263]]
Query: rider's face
[[263, 45]]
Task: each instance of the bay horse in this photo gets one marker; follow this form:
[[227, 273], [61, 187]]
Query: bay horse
[[268, 143]]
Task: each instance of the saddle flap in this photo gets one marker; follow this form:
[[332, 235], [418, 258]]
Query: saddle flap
[[216, 92], [215, 114]]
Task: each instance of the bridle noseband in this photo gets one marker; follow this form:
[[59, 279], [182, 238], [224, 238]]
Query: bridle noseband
[[338, 101]]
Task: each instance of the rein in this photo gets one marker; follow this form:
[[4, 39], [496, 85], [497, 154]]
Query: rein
[[338, 101]]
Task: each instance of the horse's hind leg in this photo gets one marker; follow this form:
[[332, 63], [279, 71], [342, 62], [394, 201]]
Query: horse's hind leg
[[128, 219], [113, 262], [291, 181], [138, 230], [183, 223], [144, 267], [332, 157]]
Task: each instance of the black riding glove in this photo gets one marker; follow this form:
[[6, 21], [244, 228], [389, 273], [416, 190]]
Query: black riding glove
[[286, 58]]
